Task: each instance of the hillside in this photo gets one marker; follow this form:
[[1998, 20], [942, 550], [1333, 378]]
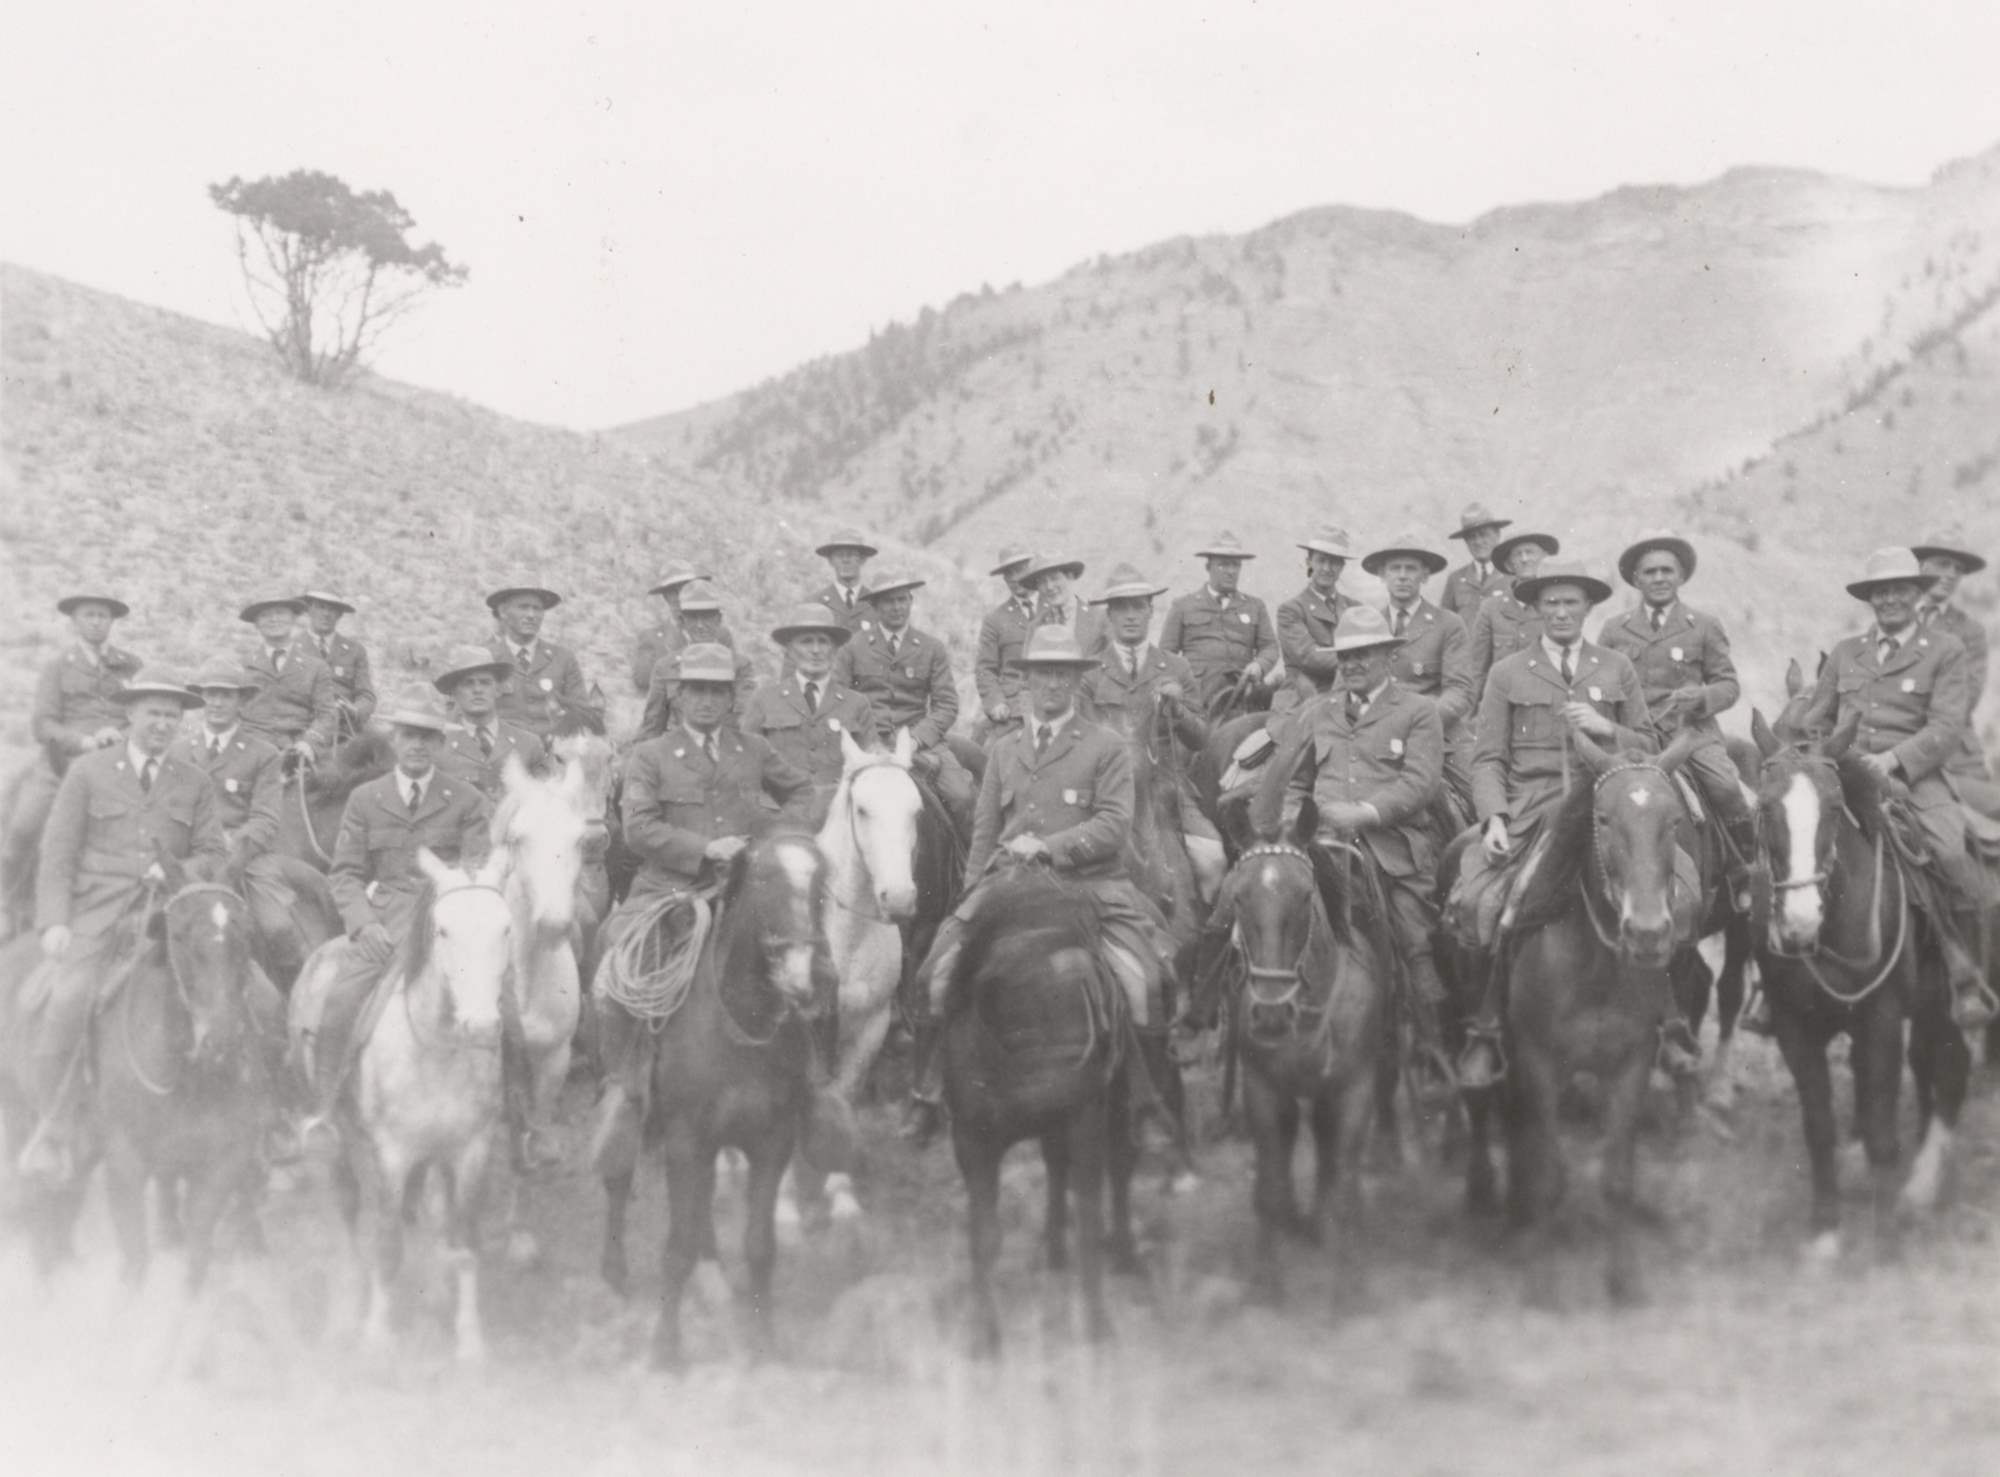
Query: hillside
[[170, 461], [1586, 366]]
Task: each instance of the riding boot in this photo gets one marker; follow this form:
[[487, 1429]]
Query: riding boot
[[1169, 1094], [622, 1040], [531, 1154], [50, 1156], [1972, 999], [925, 1113], [1680, 1053], [1744, 868], [1483, 1063]]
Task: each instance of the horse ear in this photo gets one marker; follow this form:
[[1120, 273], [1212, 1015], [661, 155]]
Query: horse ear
[[852, 755], [1843, 737], [431, 867], [1767, 741], [1594, 759], [906, 747], [596, 696], [1795, 678]]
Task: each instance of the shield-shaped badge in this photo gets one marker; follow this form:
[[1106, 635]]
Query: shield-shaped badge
[[548, 684], [1677, 653], [1069, 797], [1909, 684], [1396, 748], [1597, 694]]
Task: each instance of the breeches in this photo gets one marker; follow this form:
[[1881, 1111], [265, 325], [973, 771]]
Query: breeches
[[1714, 775], [1941, 820], [32, 803], [269, 894], [1412, 914]]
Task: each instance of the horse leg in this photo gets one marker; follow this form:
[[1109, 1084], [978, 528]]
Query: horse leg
[[1089, 1130], [1876, 1055], [979, 1165], [1273, 1118], [1055, 1217], [465, 1190], [1625, 1101], [690, 1229], [1342, 1144], [1804, 1050], [1482, 1182], [760, 1239], [617, 1200], [208, 1197], [864, 1047], [125, 1185], [1941, 1062], [1534, 1162], [1719, 1095], [392, 1178], [1122, 1159]]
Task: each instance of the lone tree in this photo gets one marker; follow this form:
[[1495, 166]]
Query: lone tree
[[327, 270]]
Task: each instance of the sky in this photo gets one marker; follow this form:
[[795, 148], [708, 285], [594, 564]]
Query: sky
[[663, 203]]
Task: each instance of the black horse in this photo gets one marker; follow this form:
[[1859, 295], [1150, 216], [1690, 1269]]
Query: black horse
[[1035, 1047]]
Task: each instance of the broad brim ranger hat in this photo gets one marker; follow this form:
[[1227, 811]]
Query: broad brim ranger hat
[[159, 685], [549, 598], [255, 608], [1054, 646], [1330, 541], [1041, 564], [321, 597], [1504, 550], [676, 576], [698, 597], [1475, 517], [1942, 547], [467, 659], [68, 604], [1409, 545], [1567, 572], [223, 672], [706, 661], [1012, 557], [1225, 545], [1888, 567], [417, 705], [809, 619], [893, 583], [1672, 543], [1362, 627], [1126, 583], [847, 538]]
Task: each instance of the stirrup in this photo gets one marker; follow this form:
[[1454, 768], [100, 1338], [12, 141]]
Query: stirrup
[[1976, 1008], [1483, 1040], [923, 1117]]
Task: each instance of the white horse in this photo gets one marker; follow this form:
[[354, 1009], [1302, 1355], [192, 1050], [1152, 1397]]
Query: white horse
[[426, 1089]]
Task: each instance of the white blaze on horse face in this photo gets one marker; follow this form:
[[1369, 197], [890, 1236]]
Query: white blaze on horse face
[[1800, 916], [472, 951], [219, 916], [800, 861]]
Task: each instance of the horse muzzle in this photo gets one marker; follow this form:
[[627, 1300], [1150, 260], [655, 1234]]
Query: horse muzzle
[[897, 904], [1647, 942]]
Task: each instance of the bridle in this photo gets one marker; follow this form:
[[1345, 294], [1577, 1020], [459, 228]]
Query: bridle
[[1606, 935], [1290, 979], [863, 904], [463, 1042], [181, 991], [769, 948]]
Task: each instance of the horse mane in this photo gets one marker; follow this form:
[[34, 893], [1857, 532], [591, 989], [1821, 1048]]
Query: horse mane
[[1551, 890], [362, 758]]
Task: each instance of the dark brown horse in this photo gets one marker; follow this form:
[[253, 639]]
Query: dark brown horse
[[1599, 926], [1034, 1039], [1842, 953], [1310, 1022], [731, 1070]]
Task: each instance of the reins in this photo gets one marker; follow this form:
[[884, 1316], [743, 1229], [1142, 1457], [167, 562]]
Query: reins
[[1607, 936], [1873, 956], [320, 853], [138, 1072]]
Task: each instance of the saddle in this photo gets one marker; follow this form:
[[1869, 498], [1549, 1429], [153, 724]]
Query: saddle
[[1982, 833]]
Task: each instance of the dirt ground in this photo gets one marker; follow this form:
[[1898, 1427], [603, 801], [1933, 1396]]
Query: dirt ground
[[1429, 1359]]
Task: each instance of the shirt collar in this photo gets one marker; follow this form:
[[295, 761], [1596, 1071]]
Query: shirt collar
[[92, 655], [1555, 650], [138, 757], [697, 737], [1055, 725], [1667, 614], [1218, 597], [1137, 653], [404, 782], [1900, 638], [1368, 697], [210, 738]]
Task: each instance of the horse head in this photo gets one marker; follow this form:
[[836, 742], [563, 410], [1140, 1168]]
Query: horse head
[[775, 888], [1636, 817], [874, 820], [1271, 897], [1800, 805], [597, 759], [208, 930], [461, 938], [540, 828]]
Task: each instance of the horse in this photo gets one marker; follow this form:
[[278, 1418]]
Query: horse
[[731, 1069], [597, 761], [1839, 953], [1311, 1021], [426, 1090], [1599, 927], [312, 800], [1034, 1041]]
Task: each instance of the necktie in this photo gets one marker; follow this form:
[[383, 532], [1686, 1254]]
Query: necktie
[[1480, 565], [1658, 616], [1885, 651], [1044, 736], [326, 648], [485, 740], [708, 746], [1927, 613], [214, 747], [1568, 666], [523, 656], [1402, 620], [147, 775], [1355, 704], [812, 697], [1132, 662], [277, 658], [416, 795], [847, 595]]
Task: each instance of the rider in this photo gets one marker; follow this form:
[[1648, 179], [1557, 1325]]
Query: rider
[[1059, 789], [803, 714], [354, 688], [1908, 690], [1467, 586], [667, 635], [1948, 564], [1504, 623], [845, 553], [1522, 769], [1224, 634], [1372, 760], [693, 798], [906, 676], [546, 676], [476, 747], [76, 710], [701, 624], [1435, 658], [296, 708], [1307, 621], [1133, 679], [118, 811], [1002, 634], [1682, 656], [1052, 578]]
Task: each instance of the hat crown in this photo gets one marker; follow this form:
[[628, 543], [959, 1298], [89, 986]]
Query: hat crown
[[1363, 626], [1054, 646], [676, 575], [1893, 564], [221, 671], [891, 582], [418, 705], [807, 617], [1225, 545], [699, 595], [707, 661], [1562, 572], [1011, 555], [1126, 574]]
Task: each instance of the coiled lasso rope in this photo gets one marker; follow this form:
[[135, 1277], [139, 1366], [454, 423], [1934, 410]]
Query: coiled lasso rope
[[636, 977]]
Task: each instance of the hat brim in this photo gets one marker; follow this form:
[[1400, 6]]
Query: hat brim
[[721, 676], [1467, 530], [320, 597], [1504, 550], [1130, 592], [1680, 548], [403, 718], [445, 681], [1968, 561], [138, 691], [867, 551], [1314, 546], [255, 608], [1366, 643], [549, 598], [196, 685], [1432, 561], [678, 582], [895, 589], [1223, 554], [1071, 567], [1071, 663], [1011, 566], [68, 604], [1529, 590], [1862, 589], [840, 634]]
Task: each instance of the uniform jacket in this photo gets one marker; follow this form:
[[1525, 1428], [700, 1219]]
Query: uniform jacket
[[664, 639], [1968, 760], [459, 755], [1464, 592], [375, 878], [915, 691], [103, 831], [352, 682], [528, 698], [1689, 650], [1435, 660], [1002, 634], [1306, 624], [1503, 626], [75, 697], [1078, 798], [1518, 764], [1916, 706], [665, 686], [294, 702], [676, 801], [249, 786], [809, 739], [1218, 638], [1111, 696], [858, 617], [1392, 759]]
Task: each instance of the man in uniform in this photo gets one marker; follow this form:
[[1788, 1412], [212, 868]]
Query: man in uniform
[[1059, 787], [118, 808], [906, 676], [346, 658], [295, 708], [845, 553], [694, 797], [1002, 634], [1052, 580], [77, 710], [1467, 587], [1682, 657], [1523, 766], [803, 714], [1134, 679], [667, 636], [476, 748], [1371, 757], [1434, 659], [1504, 623], [547, 677], [1307, 621], [1947, 563], [1225, 635], [701, 623], [1909, 693]]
